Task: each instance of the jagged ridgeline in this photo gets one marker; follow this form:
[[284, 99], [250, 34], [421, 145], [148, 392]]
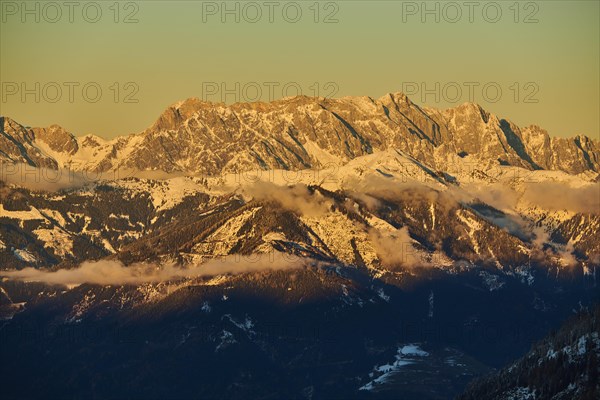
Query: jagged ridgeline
[[301, 132], [333, 248], [442, 165]]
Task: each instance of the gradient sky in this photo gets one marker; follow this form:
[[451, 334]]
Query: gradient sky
[[175, 50]]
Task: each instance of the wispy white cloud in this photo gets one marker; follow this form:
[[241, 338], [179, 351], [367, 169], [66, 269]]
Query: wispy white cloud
[[296, 198], [114, 272], [43, 179]]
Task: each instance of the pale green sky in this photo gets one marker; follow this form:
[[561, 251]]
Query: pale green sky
[[177, 50]]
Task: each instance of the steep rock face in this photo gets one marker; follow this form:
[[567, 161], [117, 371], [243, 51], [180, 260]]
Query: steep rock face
[[492, 141], [200, 137], [57, 139], [575, 155], [17, 144], [539, 145]]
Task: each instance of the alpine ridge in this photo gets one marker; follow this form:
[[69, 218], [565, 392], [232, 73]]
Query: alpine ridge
[[334, 248], [198, 137]]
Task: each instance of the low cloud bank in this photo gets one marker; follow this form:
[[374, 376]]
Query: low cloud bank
[[395, 248], [52, 180], [113, 272], [297, 198], [558, 196], [43, 179], [552, 196]]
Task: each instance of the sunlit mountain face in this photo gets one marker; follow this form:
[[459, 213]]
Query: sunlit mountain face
[[368, 248], [300, 200]]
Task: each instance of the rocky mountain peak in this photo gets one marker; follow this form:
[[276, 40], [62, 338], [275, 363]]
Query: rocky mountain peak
[[17, 144], [91, 141], [302, 132], [13, 129], [177, 113], [57, 139], [396, 98]]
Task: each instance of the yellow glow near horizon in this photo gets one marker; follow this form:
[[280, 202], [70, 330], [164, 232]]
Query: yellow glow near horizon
[[543, 56]]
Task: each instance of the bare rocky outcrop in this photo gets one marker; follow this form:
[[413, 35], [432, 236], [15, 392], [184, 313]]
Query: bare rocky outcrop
[[195, 136]]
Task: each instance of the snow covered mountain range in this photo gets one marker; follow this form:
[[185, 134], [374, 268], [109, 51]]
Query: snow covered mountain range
[[361, 213], [200, 137], [351, 173], [217, 221]]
